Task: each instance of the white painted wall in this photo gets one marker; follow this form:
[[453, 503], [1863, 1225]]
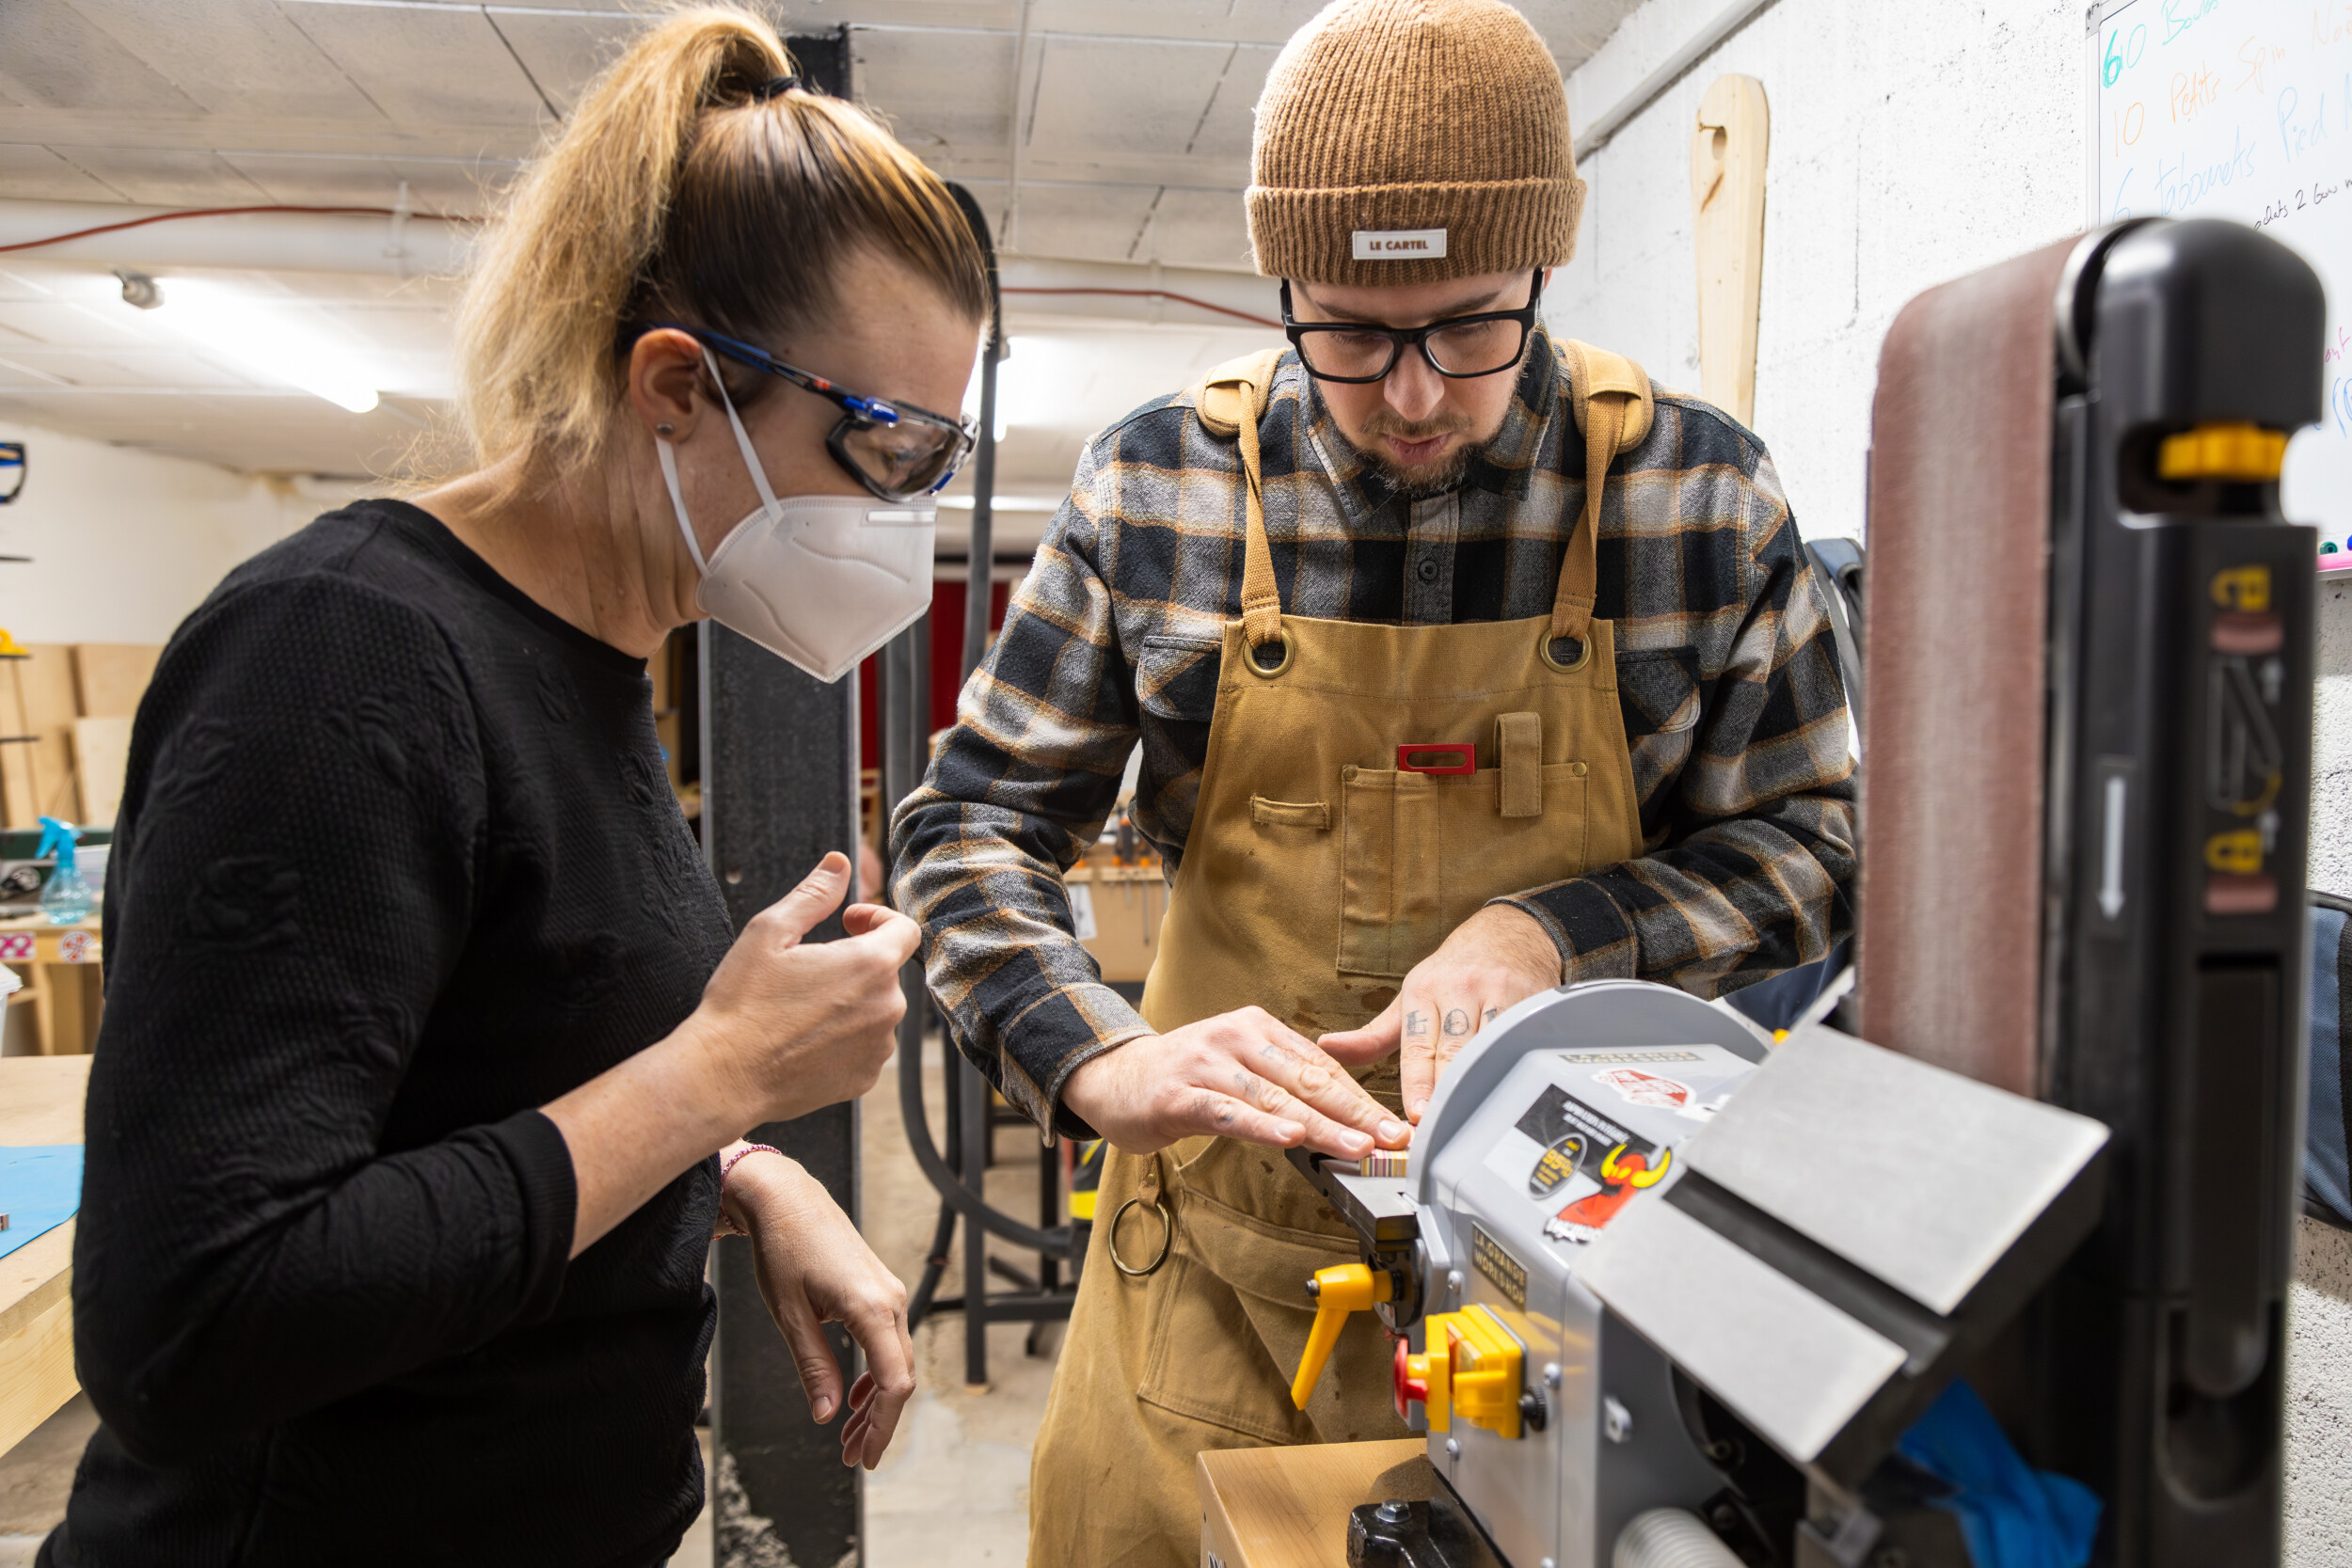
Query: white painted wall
[[125, 542], [1910, 145]]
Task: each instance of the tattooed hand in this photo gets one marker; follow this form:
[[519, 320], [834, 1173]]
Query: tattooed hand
[[1242, 1074], [1494, 960]]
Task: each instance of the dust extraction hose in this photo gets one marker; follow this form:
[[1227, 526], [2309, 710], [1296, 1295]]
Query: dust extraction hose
[[1670, 1538]]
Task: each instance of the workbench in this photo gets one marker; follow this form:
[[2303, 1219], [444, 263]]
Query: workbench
[[41, 1102], [1288, 1508], [63, 980], [1124, 906]]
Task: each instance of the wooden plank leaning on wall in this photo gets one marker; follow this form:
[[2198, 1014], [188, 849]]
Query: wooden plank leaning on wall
[[72, 704]]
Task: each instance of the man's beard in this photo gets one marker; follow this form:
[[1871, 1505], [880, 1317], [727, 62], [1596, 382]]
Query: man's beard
[[1419, 481]]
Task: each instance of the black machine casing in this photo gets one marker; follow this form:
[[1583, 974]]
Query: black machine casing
[[2173, 996]]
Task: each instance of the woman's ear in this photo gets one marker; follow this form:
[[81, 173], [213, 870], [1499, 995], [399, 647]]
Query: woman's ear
[[665, 382]]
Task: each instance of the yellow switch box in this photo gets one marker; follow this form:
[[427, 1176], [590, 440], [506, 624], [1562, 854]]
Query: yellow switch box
[[1471, 1371]]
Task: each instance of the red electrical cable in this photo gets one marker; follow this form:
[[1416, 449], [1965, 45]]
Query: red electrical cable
[[1158, 293], [223, 212], [444, 217]]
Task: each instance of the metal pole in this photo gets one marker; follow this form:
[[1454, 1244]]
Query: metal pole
[[976, 1136], [780, 757], [965, 1086], [981, 589], [780, 788]]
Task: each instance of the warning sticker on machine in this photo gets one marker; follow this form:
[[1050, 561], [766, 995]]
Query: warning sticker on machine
[[1596, 1128], [1591, 1160], [1643, 1089]]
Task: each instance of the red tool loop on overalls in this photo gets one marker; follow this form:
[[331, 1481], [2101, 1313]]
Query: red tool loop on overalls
[[1459, 758]]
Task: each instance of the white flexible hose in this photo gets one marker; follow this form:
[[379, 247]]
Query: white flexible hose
[[1670, 1538]]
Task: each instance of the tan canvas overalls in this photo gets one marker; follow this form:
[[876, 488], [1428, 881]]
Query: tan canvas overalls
[[1316, 874]]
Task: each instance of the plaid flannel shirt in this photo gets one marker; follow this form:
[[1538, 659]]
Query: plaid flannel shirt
[[1727, 676]]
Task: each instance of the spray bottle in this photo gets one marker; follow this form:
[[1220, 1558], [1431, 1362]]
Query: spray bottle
[[66, 897]]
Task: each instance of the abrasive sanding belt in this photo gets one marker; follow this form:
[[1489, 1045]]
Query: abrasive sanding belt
[[1956, 644]]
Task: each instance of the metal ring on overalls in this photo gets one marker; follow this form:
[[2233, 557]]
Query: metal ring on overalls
[[1167, 1236], [1544, 641], [1264, 671]]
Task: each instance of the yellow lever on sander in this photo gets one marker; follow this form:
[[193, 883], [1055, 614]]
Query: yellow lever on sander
[[1338, 1292]]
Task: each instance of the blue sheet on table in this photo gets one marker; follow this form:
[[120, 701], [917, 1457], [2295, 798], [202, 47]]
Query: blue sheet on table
[[40, 1187]]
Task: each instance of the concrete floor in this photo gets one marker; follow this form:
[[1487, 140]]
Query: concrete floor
[[954, 1488], [35, 1477]]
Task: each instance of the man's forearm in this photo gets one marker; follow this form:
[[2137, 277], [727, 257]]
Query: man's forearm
[[1734, 902]]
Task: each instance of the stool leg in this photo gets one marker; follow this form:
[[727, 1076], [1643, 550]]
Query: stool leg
[[973, 1090]]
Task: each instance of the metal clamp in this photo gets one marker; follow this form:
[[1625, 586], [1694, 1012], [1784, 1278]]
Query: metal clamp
[[1167, 1238]]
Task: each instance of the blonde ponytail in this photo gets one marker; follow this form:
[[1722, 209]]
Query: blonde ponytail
[[683, 160]]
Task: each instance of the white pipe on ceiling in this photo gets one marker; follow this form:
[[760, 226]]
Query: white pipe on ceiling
[[1701, 41]]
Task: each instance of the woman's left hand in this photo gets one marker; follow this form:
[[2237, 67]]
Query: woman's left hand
[[815, 1268]]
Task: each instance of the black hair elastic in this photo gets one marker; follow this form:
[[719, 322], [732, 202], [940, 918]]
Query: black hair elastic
[[776, 86]]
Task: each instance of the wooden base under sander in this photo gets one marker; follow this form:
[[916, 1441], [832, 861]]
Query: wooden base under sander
[[1288, 1508]]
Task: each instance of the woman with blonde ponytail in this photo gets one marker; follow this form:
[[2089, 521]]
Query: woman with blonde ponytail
[[427, 1050]]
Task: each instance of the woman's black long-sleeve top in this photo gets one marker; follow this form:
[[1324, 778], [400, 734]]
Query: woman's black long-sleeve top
[[397, 864]]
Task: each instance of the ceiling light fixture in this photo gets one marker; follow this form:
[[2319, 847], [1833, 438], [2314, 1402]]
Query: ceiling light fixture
[[262, 341], [140, 290]]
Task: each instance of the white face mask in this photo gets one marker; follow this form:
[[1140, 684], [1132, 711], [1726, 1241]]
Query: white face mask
[[820, 580]]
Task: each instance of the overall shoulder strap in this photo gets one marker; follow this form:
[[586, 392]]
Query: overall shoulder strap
[[1230, 400], [1611, 403]]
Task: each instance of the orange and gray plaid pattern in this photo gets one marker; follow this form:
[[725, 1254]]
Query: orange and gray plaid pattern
[[1726, 674]]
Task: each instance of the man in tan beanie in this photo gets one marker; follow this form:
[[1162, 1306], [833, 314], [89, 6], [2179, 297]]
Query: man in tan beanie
[[1463, 665]]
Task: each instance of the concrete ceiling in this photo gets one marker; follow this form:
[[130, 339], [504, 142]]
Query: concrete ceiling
[[1105, 131]]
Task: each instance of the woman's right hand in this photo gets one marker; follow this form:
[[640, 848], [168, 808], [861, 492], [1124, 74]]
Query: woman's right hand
[[785, 1027], [801, 1025]]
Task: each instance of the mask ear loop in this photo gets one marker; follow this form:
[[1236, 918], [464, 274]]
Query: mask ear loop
[[668, 454], [743, 441], [677, 502]]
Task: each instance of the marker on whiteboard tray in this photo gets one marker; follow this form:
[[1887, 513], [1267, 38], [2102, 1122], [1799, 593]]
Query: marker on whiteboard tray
[[66, 897]]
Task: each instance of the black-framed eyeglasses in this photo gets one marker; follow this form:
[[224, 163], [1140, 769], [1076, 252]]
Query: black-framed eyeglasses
[[1462, 347], [899, 452]]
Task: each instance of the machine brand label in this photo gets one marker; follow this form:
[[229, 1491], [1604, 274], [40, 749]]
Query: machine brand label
[[1505, 1271], [1399, 244], [1647, 1054]]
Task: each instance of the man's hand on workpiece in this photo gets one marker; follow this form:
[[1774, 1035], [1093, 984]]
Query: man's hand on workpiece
[[1496, 959], [813, 1269], [1242, 1075]]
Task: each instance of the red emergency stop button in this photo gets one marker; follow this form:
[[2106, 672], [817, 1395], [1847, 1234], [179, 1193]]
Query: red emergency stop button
[[1410, 1389]]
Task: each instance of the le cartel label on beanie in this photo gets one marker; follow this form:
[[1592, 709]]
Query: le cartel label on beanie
[[1399, 244]]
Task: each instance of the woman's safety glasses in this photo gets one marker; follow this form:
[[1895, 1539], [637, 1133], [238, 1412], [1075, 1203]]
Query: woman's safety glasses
[[897, 451], [1458, 346]]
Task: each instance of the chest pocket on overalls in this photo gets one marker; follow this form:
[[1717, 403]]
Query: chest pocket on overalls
[[1424, 848]]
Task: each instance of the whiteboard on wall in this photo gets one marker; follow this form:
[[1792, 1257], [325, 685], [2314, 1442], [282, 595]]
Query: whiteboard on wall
[[2242, 109]]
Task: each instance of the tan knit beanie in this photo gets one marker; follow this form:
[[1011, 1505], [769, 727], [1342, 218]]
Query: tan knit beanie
[[1411, 141]]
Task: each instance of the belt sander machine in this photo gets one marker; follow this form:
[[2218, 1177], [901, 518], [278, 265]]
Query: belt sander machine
[[1665, 1291]]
